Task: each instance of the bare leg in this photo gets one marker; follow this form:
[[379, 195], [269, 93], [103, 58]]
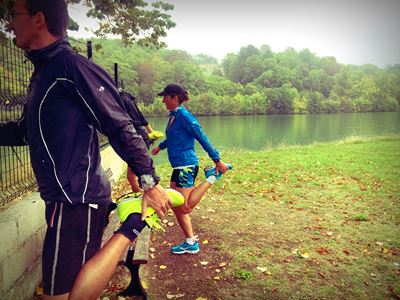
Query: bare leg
[[181, 212], [96, 273], [133, 180], [197, 193]]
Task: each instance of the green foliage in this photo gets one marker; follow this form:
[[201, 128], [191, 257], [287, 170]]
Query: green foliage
[[361, 217], [134, 20], [243, 274], [254, 81]]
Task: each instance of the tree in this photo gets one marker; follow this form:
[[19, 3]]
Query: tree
[[133, 20], [281, 100]]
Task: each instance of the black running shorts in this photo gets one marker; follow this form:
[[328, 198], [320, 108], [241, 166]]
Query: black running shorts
[[73, 236]]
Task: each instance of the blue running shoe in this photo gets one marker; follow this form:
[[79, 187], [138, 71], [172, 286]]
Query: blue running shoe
[[186, 248], [212, 171]]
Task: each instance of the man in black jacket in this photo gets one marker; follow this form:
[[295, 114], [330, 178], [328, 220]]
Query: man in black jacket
[[69, 99]]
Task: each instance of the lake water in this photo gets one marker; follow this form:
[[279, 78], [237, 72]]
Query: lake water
[[259, 132]]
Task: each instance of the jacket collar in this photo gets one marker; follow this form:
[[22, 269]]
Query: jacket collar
[[40, 56], [175, 111]]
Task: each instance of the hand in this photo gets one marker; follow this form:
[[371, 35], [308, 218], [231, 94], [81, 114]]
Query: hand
[[156, 198], [155, 150], [220, 166]]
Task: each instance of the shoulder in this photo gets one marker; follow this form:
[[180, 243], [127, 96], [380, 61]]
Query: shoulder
[[78, 62], [187, 117]]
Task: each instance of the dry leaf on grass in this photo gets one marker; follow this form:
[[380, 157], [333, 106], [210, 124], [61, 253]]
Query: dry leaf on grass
[[172, 296], [322, 251]]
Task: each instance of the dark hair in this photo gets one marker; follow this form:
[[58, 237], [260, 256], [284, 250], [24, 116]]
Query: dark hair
[[55, 13]]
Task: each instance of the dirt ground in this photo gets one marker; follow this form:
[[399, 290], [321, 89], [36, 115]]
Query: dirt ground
[[169, 276]]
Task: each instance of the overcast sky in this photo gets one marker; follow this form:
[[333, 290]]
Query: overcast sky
[[353, 31]]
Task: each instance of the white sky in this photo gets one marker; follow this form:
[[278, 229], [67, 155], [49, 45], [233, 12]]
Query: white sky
[[353, 31]]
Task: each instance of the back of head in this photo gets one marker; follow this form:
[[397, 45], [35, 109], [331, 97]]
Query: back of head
[[55, 13]]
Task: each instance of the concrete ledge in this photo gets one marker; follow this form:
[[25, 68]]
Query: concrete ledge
[[22, 229]]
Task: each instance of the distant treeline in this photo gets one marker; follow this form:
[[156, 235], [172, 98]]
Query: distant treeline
[[253, 81]]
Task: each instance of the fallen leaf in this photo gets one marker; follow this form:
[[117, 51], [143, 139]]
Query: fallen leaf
[[163, 267], [379, 244], [152, 249], [204, 263], [211, 210], [223, 264], [346, 251], [152, 255], [304, 255], [217, 278], [170, 223], [165, 221], [322, 251], [205, 242], [262, 269], [171, 296], [201, 298], [373, 274]]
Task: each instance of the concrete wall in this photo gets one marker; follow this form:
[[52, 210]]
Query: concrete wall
[[22, 228]]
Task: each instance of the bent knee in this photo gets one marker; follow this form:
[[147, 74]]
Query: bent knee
[[183, 209]]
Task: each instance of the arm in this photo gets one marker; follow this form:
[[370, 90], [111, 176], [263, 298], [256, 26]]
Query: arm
[[106, 112], [149, 128], [142, 118], [193, 126]]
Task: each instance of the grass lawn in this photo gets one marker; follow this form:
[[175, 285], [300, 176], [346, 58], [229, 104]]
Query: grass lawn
[[303, 222]]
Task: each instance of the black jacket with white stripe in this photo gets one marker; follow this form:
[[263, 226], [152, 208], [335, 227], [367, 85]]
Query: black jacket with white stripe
[[69, 99]]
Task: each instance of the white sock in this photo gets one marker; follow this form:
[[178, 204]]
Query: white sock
[[211, 180], [190, 241]]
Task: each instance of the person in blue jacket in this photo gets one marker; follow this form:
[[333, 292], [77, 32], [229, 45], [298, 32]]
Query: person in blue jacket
[[183, 129], [68, 100]]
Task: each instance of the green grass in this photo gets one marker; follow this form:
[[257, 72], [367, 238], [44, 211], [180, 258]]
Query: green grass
[[322, 219]]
